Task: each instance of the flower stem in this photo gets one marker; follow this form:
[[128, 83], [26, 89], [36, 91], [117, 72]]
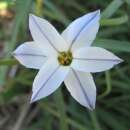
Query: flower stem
[[95, 121], [108, 83], [61, 107], [70, 121]]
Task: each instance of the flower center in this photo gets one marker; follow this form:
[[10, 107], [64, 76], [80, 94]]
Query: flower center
[[65, 58]]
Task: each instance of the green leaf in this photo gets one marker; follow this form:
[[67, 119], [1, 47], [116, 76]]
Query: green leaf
[[112, 8], [55, 11], [114, 21], [8, 62], [22, 8], [128, 1], [115, 45]]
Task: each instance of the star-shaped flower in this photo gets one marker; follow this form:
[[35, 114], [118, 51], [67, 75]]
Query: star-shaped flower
[[67, 57]]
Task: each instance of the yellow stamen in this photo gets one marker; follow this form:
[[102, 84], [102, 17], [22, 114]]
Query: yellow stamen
[[65, 58]]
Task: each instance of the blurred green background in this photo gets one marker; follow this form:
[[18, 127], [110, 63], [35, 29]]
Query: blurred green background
[[60, 111]]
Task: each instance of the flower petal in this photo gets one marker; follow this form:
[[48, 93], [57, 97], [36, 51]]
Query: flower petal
[[94, 59], [82, 87], [48, 79], [45, 34], [30, 55], [82, 31]]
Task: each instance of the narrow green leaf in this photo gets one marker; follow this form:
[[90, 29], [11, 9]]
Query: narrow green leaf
[[114, 21], [127, 1], [71, 122], [8, 62], [115, 45], [57, 12], [22, 8], [112, 8], [39, 4]]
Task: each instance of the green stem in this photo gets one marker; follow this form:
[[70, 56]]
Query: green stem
[[95, 121], [108, 83], [68, 120], [61, 107]]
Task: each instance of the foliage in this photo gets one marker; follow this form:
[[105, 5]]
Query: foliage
[[60, 111]]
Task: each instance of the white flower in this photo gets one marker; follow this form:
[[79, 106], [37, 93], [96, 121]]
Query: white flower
[[67, 57]]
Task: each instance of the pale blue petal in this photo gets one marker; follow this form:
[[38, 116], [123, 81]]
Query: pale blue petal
[[82, 88], [48, 79], [82, 31], [94, 59], [30, 55]]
